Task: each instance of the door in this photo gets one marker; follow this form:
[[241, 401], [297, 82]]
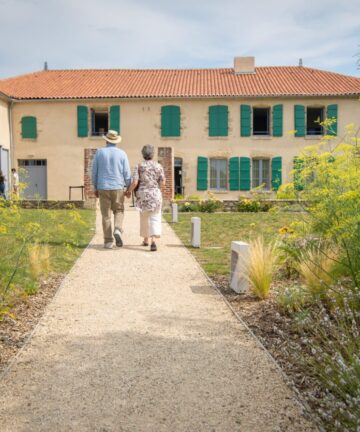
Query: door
[[4, 167], [178, 176], [34, 174]]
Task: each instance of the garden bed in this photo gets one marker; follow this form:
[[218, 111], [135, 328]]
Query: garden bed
[[38, 247]]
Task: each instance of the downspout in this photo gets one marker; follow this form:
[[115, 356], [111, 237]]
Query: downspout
[[12, 147]]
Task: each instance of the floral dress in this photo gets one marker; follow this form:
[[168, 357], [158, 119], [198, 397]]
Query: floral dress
[[148, 196]]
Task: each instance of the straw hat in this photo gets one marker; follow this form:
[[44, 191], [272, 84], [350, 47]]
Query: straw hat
[[112, 137]]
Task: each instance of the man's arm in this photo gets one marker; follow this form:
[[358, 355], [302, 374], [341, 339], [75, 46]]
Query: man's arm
[[94, 174]]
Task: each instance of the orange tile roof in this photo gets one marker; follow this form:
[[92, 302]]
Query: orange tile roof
[[182, 83]]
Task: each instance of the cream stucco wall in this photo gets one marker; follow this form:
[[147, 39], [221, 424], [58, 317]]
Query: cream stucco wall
[[4, 124], [140, 124]]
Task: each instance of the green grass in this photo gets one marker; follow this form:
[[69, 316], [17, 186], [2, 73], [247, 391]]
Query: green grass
[[65, 233], [218, 230]]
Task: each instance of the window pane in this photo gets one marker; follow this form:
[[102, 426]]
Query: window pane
[[213, 171], [256, 173], [218, 174], [222, 174], [261, 121], [314, 116], [265, 178], [100, 122]]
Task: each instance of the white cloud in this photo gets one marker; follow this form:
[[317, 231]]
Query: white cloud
[[163, 33]]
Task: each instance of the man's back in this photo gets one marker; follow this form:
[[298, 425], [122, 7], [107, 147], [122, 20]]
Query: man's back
[[111, 169]]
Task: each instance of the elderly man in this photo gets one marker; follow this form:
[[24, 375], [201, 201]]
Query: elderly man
[[111, 175]]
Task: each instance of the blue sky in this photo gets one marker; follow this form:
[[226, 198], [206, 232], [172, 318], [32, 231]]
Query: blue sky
[[177, 33]]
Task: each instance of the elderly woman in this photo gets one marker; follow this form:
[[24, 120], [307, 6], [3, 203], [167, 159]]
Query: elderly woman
[[149, 177]]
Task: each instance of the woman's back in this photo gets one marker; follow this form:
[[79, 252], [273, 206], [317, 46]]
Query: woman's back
[[150, 174]]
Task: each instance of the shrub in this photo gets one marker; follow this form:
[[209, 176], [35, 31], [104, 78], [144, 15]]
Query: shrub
[[291, 299], [261, 266], [331, 185], [210, 206], [334, 358], [188, 207], [248, 205], [194, 198], [179, 197], [315, 268], [286, 191]]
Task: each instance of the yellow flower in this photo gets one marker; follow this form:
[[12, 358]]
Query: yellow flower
[[3, 229], [252, 225]]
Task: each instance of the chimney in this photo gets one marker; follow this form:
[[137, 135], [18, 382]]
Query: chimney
[[300, 62], [244, 65], [45, 66]]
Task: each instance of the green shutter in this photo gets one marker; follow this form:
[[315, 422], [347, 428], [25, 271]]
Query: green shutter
[[202, 173], [299, 120], [170, 121], [245, 119], [298, 167], [115, 118], [244, 173], [276, 169], [213, 125], [28, 127], [234, 173], [175, 121], [218, 120], [277, 120], [83, 122], [332, 112]]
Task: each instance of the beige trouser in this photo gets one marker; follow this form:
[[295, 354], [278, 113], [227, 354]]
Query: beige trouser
[[150, 223], [111, 201]]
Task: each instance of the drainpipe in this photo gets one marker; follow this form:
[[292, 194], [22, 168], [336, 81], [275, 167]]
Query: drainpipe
[[12, 148]]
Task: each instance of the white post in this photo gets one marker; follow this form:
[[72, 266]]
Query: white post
[[195, 232], [174, 212], [239, 261]]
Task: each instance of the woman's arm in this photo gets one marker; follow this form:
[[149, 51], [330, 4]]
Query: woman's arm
[[132, 186]]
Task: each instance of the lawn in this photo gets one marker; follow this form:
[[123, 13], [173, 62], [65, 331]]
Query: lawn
[[55, 239], [218, 230]]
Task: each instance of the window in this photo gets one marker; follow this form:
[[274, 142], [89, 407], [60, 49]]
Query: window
[[261, 173], [218, 120], [99, 122], [261, 121], [314, 116], [218, 174], [32, 162]]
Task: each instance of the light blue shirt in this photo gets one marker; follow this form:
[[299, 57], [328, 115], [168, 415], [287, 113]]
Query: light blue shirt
[[111, 169]]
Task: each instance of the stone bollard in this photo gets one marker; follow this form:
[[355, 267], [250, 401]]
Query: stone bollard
[[239, 260], [195, 232], [174, 213]]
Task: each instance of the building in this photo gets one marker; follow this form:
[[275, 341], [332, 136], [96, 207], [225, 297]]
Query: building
[[5, 139], [225, 130]]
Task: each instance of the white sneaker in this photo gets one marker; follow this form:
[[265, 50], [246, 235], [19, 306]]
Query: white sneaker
[[108, 245], [117, 236]]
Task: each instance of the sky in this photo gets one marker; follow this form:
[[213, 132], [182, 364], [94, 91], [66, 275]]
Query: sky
[[76, 34]]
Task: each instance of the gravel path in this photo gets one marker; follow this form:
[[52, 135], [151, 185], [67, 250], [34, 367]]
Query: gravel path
[[139, 341]]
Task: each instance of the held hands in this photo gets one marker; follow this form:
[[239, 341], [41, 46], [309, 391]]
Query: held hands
[[97, 194], [128, 194]]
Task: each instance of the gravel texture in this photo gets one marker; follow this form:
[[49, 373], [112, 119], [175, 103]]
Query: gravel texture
[[140, 341]]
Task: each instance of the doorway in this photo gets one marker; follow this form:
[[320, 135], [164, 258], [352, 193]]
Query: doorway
[[33, 172], [178, 176]]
